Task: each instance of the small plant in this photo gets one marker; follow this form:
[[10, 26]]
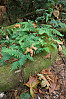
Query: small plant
[[24, 40], [44, 15], [57, 24]]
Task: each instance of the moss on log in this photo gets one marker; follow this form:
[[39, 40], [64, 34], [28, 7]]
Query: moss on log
[[8, 80]]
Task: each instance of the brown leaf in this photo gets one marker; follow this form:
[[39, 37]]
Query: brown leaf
[[32, 84], [53, 86], [40, 91], [48, 79], [57, 87], [60, 48], [47, 56], [1, 56], [33, 47], [55, 79], [29, 50], [34, 24], [59, 43], [61, 39], [44, 81], [15, 93], [17, 25], [7, 37], [49, 75]]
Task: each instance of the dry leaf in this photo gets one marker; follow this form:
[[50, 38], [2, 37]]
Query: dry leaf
[[48, 74], [61, 39], [1, 56], [57, 87], [47, 56], [17, 25], [48, 79], [60, 48], [32, 84], [15, 93], [40, 91], [59, 43], [29, 50], [7, 37], [44, 81], [53, 86], [34, 24], [33, 47]]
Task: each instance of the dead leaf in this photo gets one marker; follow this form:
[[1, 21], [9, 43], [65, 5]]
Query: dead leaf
[[34, 24], [29, 50], [61, 39], [33, 47], [57, 87], [1, 56], [40, 91], [7, 37], [17, 25], [47, 56], [32, 84], [44, 81], [60, 48], [53, 86], [48, 80], [15, 93], [59, 43], [48, 74]]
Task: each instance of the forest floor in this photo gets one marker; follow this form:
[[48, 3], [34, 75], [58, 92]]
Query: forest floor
[[57, 68]]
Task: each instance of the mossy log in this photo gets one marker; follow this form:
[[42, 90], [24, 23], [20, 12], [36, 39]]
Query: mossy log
[[9, 79]]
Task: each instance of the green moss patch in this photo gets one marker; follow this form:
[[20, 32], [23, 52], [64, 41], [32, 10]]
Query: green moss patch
[[9, 80]]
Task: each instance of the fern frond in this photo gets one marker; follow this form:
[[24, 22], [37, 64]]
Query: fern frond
[[12, 52]]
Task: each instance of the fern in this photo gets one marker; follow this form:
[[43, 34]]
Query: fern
[[57, 23], [12, 52], [22, 38]]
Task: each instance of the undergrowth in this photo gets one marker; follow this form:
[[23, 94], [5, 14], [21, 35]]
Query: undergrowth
[[42, 37]]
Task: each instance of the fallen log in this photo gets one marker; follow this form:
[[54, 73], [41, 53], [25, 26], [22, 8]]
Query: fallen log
[[8, 80]]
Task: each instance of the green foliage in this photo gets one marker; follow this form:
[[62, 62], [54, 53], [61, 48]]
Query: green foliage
[[57, 23], [45, 14], [20, 39]]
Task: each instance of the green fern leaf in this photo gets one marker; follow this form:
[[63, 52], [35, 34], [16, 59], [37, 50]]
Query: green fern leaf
[[15, 65], [46, 49]]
